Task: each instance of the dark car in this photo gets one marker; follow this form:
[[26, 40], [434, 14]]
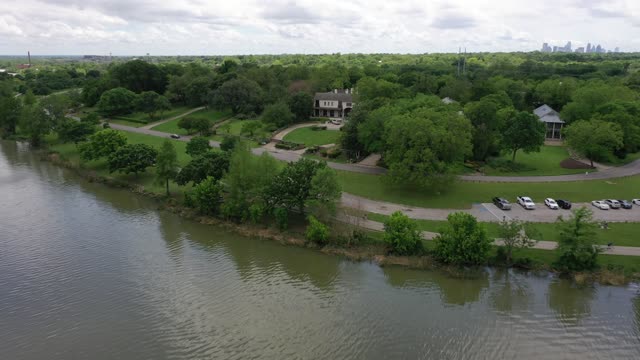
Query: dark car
[[564, 204], [625, 204], [502, 203], [175, 136]]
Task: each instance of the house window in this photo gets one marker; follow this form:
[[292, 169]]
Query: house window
[[332, 113], [324, 112]]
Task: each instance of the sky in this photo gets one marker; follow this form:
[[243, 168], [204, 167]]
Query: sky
[[215, 27]]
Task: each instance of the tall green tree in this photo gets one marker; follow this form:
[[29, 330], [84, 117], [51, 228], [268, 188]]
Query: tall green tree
[[241, 95], [291, 188], [324, 193], [152, 103], [301, 105], [132, 158], [463, 241], [10, 110], [118, 101], [167, 166], [209, 164], [102, 144], [577, 246], [513, 234], [206, 196], [401, 234], [524, 131], [278, 115], [197, 146], [75, 131], [594, 139]]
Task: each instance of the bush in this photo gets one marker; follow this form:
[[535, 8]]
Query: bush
[[463, 241], [282, 218], [312, 150], [323, 152], [334, 152], [242, 116], [317, 232], [228, 143], [318, 128], [205, 196], [287, 145], [402, 235]]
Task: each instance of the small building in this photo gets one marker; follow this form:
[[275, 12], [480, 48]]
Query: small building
[[335, 105], [552, 120]]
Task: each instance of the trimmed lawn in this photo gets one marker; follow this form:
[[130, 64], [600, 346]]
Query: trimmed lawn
[[545, 162], [462, 194], [144, 118], [310, 137], [171, 127], [135, 124], [235, 126], [622, 234]]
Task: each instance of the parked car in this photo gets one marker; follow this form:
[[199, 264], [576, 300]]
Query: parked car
[[526, 202], [625, 204], [501, 203], [636, 202], [564, 204], [600, 204], [613, 204], [175, 136], [551, 204]]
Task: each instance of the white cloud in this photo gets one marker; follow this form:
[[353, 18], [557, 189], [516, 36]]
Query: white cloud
[[305, 26]]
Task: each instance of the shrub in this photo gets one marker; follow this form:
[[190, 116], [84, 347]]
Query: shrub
[[287, 145], [463, 241], [312, 150], [334, 152], [205, 196], [317, 232], [228, 143], [402, 235], [282, 218], [318, 128]]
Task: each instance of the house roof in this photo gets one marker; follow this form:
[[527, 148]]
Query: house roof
[[547, 114], [339, 96]]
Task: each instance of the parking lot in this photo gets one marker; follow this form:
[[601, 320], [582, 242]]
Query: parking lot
[[544, 214]]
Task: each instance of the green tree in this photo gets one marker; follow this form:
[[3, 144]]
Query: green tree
[[250, 127], [401, 234], [197, 146], [291, 188], [91, 118], [555, 92], [151, 103], [139, 76], [324, 193], [35, 123], [594, 139], [317, 232], [241, 95], [206, 196], [513, 235], [577, 246], [278, 115], [301, 105], [10, 110], [524, 131], [202, 126], [209, 164], [463, 241], [186, 123], [167, 166], [102, 144], [228, 143], [75, 131], [118, 101], [132, 158]]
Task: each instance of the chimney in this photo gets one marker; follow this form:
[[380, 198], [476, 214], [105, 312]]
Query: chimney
[[29, 56]]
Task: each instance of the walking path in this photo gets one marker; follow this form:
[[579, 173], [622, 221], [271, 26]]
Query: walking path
[[149, 126], [543, 245], [283, 133]]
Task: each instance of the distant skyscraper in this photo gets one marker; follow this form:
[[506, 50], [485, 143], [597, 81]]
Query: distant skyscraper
[[599, 49], [567, 48], [546, 48], [617, 49], [580, 50], [588, 47]]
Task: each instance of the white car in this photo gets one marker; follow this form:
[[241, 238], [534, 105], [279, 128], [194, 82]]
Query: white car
[[526, 202], [600, 204], [636, 202], [551, 204], [613, 204]]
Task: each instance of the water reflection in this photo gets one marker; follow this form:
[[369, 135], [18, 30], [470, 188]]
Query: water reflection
[[509, 293], [570, 302]]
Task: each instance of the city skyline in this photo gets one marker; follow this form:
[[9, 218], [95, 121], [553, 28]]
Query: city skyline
[[190, 27]]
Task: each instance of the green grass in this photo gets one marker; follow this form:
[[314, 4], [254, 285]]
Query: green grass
[[310, 137], [171, 127], [144, 118], [135, 124], [462, 194], [545, 162], [621, 234], [617, 162], [235, 126]]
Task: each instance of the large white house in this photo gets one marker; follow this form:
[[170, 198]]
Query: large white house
[[336, 104], [552, 120]]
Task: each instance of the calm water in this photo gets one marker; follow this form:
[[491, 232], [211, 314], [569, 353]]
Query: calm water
[[88, 272]]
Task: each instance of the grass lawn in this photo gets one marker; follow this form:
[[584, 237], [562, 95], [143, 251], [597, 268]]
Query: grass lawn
[[310, 137], [462, 194], [171, 127], [545, 162], [144, 118], [622, 234], [626, 160], [119, 121]]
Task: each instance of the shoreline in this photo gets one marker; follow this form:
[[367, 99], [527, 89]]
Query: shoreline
[[371, 253]]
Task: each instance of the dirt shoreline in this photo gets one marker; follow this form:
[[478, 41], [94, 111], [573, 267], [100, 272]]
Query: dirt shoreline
[[373, 254]]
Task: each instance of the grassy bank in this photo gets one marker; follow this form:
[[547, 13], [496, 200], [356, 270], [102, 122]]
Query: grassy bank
[[310, 137], [462, 194], [215, 116], [545, 162]]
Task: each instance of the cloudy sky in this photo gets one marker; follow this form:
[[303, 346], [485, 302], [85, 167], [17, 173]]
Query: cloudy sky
[[185, 27]]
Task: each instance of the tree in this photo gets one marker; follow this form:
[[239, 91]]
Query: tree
[[301, 106], [197, 146], [324, 193], [524, 131], [594, 139], [250, 127], [463, 241], [278, 115], [167, 166], [75, 131], [186, 123], [139, 76], [513, 235], [209, 164], [118, 101], [102, 144], [206, 197], [401, 234], [577, 245], [241, 95], [291, 188], [55, 107], [10, 110], [35, 123], [316, 232], [228, 143], [151, 103], [91, 118], [200, 125], [555, 92], [132, 158], [423, 145]]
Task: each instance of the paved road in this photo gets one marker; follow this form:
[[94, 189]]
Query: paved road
[[543, 245], [149, 126]]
